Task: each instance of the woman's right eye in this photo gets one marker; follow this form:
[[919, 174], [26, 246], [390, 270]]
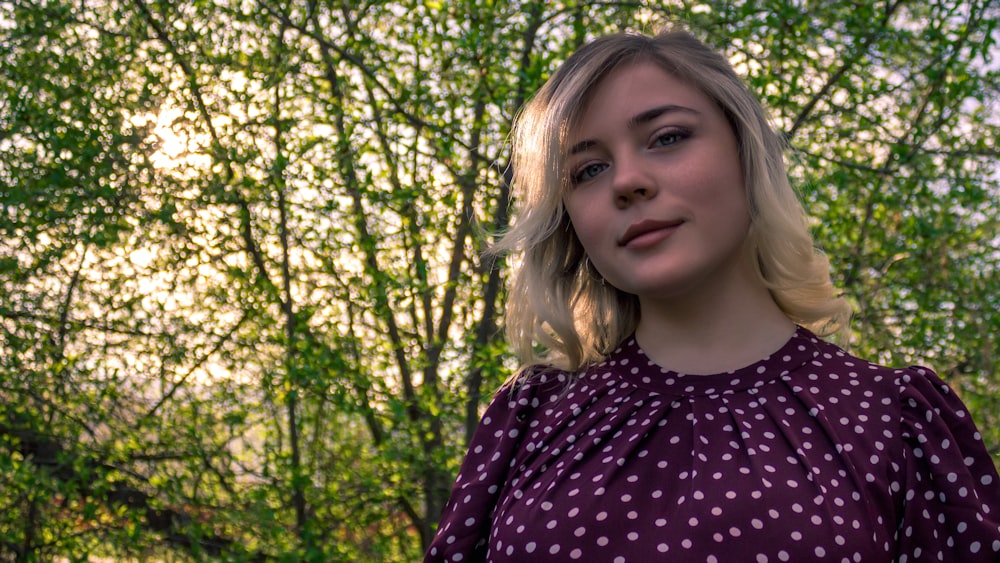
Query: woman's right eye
[[588, 172]]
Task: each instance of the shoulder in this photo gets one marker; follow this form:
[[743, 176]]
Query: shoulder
[[866, 376], [526, 389], [835, 358], [919, 384], [916, 397], [916, 390], [928, 402], [537, 379], [532, 386], [904, 394], [924, 412]]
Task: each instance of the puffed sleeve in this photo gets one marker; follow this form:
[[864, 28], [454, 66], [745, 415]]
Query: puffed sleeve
[[951, 493], [464, 528]]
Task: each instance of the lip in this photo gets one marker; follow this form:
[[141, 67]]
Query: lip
[[647, 232]]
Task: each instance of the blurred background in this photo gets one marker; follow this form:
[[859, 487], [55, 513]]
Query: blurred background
[[244, 313]]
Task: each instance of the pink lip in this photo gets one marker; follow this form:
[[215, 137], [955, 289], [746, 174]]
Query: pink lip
[[647, 231]]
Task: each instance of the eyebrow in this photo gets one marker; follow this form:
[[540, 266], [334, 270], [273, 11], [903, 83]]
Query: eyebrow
[[653, 113], [639, 119]]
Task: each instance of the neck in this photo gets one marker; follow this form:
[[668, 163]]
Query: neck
[[713, 331]]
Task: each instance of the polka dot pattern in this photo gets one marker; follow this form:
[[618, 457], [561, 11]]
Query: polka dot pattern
[[808, 455]]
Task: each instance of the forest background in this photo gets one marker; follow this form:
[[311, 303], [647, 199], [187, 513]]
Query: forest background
[[244, 311]]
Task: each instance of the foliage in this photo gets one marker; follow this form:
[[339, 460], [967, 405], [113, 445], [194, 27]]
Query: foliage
[[244, 313]]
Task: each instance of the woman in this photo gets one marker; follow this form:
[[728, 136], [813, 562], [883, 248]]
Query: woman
[[682, 406]]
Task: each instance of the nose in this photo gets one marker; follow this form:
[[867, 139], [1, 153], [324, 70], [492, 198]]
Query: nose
[[631, 181]]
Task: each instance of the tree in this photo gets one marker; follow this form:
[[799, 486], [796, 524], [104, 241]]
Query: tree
[[244, 309]]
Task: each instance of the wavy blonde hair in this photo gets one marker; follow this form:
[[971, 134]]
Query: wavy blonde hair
[[559, 312]]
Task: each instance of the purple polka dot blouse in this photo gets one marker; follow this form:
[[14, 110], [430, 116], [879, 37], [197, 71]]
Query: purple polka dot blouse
[[808, 455]]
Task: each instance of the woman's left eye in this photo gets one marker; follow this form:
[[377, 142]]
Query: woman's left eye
[[669, 138]]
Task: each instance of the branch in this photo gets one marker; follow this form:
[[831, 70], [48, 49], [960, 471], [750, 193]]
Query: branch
[[198, 363], [910, 150], [836, 76], [13, 314], [219, 151], [358, 63], [368, 244], [65, 306], [487, 329], [54, 458]]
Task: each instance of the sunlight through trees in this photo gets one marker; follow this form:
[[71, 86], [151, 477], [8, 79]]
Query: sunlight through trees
[[244, 310]]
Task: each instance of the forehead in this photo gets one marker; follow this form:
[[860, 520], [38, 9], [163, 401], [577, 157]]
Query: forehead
[[635, 87]]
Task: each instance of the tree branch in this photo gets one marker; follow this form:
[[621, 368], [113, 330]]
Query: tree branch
[[834, 78], [50, 454]]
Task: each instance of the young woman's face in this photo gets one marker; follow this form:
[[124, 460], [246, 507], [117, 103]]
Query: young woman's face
[[656, 188]]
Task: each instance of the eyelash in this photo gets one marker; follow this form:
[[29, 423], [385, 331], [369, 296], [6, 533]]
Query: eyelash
[[676, 134], [578, 173]]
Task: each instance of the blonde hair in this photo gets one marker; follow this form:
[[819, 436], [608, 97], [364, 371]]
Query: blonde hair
[[559, 312]]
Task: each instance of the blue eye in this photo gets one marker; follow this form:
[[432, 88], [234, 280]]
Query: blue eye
[[588, 172], [670, 138]]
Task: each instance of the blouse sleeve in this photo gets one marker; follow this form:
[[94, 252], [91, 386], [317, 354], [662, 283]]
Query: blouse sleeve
[[464, 527], [951, 494]]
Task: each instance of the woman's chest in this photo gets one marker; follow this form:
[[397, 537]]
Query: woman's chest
[[628, 479]]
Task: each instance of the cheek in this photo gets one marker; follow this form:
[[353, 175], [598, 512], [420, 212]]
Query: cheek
[[724, 190], [590, 228]]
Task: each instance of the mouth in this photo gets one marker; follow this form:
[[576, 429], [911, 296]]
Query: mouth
[[647, 230]]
